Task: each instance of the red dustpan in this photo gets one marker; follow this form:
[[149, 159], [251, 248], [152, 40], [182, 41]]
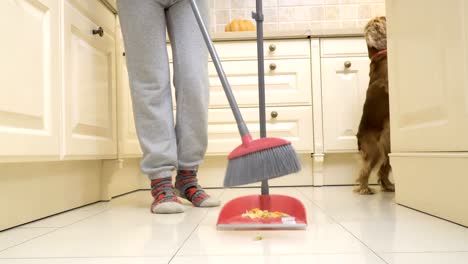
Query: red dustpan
[[231, 217]]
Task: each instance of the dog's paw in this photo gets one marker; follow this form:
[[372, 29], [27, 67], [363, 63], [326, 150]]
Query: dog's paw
[[364, 190], [388, 188]]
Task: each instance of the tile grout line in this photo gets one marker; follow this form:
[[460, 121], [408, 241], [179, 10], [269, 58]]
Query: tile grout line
[[25, 225], [195, 228], [52, 231], [362, 242], [61, 227], [86, 257], [423, 252], [56, 228], [186, 239], [44, 219]]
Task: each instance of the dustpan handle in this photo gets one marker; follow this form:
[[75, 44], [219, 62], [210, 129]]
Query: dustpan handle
[[243, 130], [258, 16]]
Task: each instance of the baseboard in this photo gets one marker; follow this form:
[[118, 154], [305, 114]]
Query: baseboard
[[120, 177], [29, 191], [436, 183]]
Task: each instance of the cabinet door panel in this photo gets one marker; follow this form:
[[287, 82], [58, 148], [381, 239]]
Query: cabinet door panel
[[428, 75], [29, 80], [89, 106], [344, 91]]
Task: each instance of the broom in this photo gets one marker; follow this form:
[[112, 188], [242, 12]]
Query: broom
[[254, 160]]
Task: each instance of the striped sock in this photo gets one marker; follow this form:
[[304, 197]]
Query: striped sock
[[188, 188], [165, 200]]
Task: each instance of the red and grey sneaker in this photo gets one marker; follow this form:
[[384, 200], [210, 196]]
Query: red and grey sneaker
[[165, 200], [187, 187]]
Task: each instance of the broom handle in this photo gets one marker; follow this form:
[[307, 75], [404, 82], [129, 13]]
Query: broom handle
[[258, 16], [243, 130]]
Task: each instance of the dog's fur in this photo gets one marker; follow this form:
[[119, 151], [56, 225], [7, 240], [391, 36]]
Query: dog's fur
[[374, 129]]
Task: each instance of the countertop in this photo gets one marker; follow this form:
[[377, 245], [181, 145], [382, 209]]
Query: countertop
[[295, 34], [307, 33]]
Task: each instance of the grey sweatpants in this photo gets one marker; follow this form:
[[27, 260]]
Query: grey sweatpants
[[167, 146]]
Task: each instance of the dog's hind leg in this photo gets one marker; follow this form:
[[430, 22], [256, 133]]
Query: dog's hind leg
[[370, 154], [385, 168], [384, 171]]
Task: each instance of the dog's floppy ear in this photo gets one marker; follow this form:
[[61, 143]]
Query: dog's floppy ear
[[376, 33]]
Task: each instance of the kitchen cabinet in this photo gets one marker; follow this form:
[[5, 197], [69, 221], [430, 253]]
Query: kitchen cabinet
[[345, 79], [89, 106], [58, 81], [288, 93], [29, 80], [428, 106]]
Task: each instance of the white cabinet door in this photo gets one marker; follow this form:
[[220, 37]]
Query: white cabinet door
[[428, 75], [287, 82], [29, 80], [343, 91], [291, 123], [89, 84]]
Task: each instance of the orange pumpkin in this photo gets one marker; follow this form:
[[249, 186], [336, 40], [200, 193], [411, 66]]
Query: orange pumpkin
[[239, 25]]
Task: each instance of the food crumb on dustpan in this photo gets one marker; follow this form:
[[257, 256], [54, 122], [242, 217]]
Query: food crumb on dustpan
[[262, 214]]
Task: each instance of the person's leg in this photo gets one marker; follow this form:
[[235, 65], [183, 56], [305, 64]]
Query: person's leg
[[192, 93], [144, 32]]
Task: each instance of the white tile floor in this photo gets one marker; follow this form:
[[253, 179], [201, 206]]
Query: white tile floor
[[343, 228]]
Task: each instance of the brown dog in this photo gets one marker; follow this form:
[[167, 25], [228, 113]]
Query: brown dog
[[374, 129]]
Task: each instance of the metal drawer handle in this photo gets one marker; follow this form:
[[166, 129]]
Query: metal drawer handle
[[272, 66], [347, 64], [272, 47], [98, 31], [274, 114]]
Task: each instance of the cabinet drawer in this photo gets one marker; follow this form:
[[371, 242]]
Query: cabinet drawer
[[292, 123], [247, 50], [288, 84], [338, 47]]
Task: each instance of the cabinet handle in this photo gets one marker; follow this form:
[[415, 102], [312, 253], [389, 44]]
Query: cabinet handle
[[347, 64], [274, 114], [272, 66], [98, 31], [123, 54], [272, 47]]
